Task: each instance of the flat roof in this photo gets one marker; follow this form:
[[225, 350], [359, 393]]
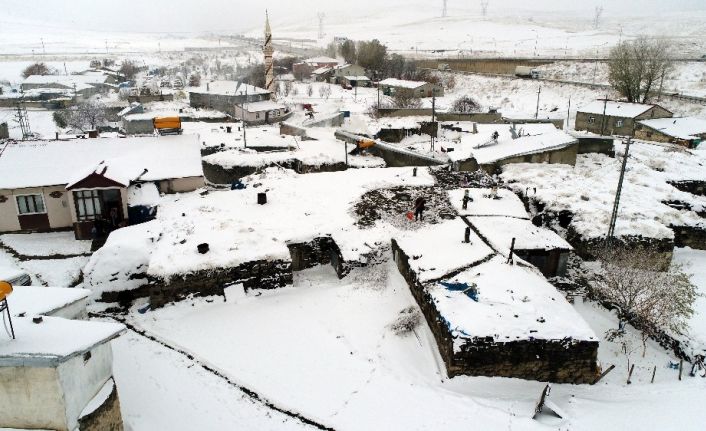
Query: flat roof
[[513, 304], [616, 109], [49, 163], [682, 128], [53, 341], [402, 83], [228, 88], [500, 232], [41, 300], [507, 203]]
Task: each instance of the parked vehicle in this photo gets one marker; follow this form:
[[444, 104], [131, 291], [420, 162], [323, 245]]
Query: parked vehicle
[[527, 72]]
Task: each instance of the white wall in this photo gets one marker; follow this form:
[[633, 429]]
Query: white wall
[[31, 397]]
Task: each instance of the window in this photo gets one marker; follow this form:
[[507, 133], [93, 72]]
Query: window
[[88, 205], [591, 120], [618, 123], [30, 204]]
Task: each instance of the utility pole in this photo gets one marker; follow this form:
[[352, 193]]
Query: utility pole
[[536, 112], [433, 115], [444, 11], [605, 106], [23, 120], [568, 115], [616, 204], [484, 7], [661, 82], [321, 25], [44, 50]]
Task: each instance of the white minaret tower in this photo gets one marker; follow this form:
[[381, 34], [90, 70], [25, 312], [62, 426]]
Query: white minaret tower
[[269, 50]]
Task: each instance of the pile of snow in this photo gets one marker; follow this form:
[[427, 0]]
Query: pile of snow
[[45, 244], [144, 194]]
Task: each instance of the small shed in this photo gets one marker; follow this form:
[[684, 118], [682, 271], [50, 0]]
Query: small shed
[[355, 81], [685, 131]]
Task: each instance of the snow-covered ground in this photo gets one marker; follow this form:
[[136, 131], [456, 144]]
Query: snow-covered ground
[[324, 349], [588, 189], [45, 244], [693, 262]]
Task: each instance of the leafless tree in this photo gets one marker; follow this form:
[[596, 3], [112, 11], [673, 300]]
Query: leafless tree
[[652, 299], [466, 104], [38, 69], [129, 69], [404, 98], [325, 91], [310, 90], [407, 321], [85, 116], [636, 67]]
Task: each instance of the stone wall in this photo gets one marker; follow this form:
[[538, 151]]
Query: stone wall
[[261, 274], [690, 236], [313, 253], [693, 186], [561, 361], [596, 145], [217, 174], [106, 417], [566, 155]]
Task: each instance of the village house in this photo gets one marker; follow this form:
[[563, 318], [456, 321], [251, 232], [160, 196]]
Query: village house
[[83, 85], [419, 88], [343, 70], [83, 184], [263, 112], [686, 131], [608, 117], [355, 81], [322, 74], [225, 96], [303, 70]]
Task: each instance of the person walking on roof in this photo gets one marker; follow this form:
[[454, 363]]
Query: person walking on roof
[[419, 207]]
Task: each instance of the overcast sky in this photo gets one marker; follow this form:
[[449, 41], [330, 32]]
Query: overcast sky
[[242, 15]]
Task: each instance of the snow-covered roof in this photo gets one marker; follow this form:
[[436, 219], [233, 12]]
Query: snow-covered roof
[[681, 128], [501, 230], [228, 88], [321, 70], [402, 83], [46, 163], [507, 203], [321, 60], [41, 300], [68, 80], [616, 109], [513, 304], [357, 78], [54, 340], [504, 149], [438, 250], [145, 194], [264, 105]]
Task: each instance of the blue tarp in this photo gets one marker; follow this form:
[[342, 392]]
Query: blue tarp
[[470, 290]]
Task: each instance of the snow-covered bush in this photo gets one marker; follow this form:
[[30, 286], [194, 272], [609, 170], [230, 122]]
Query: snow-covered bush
[[407, 321]]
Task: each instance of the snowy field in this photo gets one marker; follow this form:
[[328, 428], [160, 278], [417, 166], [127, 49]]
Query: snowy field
[[46, 244], [323, 348]]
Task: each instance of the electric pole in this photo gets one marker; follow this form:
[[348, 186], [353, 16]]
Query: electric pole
[[484, 7], [321, 25], [23, 120], [568, 115], [605, 107], [536, 112], [433, 116], [616, 204], [444, 11]]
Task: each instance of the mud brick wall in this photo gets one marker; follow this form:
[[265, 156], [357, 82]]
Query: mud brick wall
[[261, 274], [107, 417], [561, 361]]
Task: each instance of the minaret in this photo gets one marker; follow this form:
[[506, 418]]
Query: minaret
[[269, 50]]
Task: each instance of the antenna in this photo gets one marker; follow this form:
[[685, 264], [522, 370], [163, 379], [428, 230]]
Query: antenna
[[321, 16], [444, 11], [484, 7]]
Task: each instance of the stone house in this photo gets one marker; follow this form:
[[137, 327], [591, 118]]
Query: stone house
[[686, 131], [224, 96], [419, 88], [82, 184], [83, 85], [608, 117], [355, 81]]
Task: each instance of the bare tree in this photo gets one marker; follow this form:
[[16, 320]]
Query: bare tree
[[404, 98], [466, 104], [325, 91], [635, 67], [309, 90], [653, 300], [128, 69], [38, 69], [84, 116]]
